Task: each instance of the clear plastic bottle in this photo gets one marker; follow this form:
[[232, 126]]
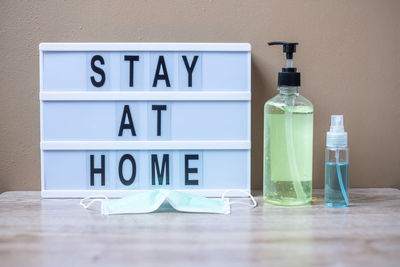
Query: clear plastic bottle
[[288, 148], [336, 165], [288, 139]]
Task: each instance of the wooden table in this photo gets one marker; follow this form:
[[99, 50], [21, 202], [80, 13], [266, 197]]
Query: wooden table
[[58, 232]]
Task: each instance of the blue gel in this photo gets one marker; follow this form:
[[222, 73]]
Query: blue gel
[[336, 184]]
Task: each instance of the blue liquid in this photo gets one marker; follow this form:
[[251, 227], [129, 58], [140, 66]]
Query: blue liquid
[[336, 189]]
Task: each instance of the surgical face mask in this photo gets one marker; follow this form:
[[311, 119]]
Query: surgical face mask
[[151, 201]]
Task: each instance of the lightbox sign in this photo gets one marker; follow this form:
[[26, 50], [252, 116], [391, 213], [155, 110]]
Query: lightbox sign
[[117, 118]]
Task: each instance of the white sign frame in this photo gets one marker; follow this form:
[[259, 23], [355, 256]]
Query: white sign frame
[[156, 96]]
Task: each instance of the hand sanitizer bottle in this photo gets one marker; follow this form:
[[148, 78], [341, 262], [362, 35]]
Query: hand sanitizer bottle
[[288, 139], [336, 165]]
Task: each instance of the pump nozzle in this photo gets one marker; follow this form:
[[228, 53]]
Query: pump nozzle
[[289, 75], [288, 48]]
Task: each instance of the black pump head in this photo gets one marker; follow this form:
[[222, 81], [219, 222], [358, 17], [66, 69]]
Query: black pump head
[[289, 75], [288, 48]]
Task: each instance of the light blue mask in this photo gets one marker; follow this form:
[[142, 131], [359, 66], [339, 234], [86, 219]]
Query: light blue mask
[[151, 201]]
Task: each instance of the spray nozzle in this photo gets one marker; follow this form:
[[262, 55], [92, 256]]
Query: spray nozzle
[[336, 137], [337, 123], [289, 75]]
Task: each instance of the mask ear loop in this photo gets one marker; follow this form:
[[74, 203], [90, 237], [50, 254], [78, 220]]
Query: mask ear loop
[[93, 199], [238, 202]]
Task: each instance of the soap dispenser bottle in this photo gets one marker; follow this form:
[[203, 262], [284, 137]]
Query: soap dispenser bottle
[[288, 139]]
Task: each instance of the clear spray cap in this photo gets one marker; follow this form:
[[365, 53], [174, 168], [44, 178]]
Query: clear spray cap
[[336, 137]]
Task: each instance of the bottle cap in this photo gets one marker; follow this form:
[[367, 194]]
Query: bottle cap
[[336, 137]]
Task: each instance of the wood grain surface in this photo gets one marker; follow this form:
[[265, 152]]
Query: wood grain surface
[[58, 232]]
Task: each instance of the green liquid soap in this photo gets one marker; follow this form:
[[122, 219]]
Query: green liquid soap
[[288, 153]]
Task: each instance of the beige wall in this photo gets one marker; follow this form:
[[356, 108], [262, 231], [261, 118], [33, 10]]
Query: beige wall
[[349, 56]]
